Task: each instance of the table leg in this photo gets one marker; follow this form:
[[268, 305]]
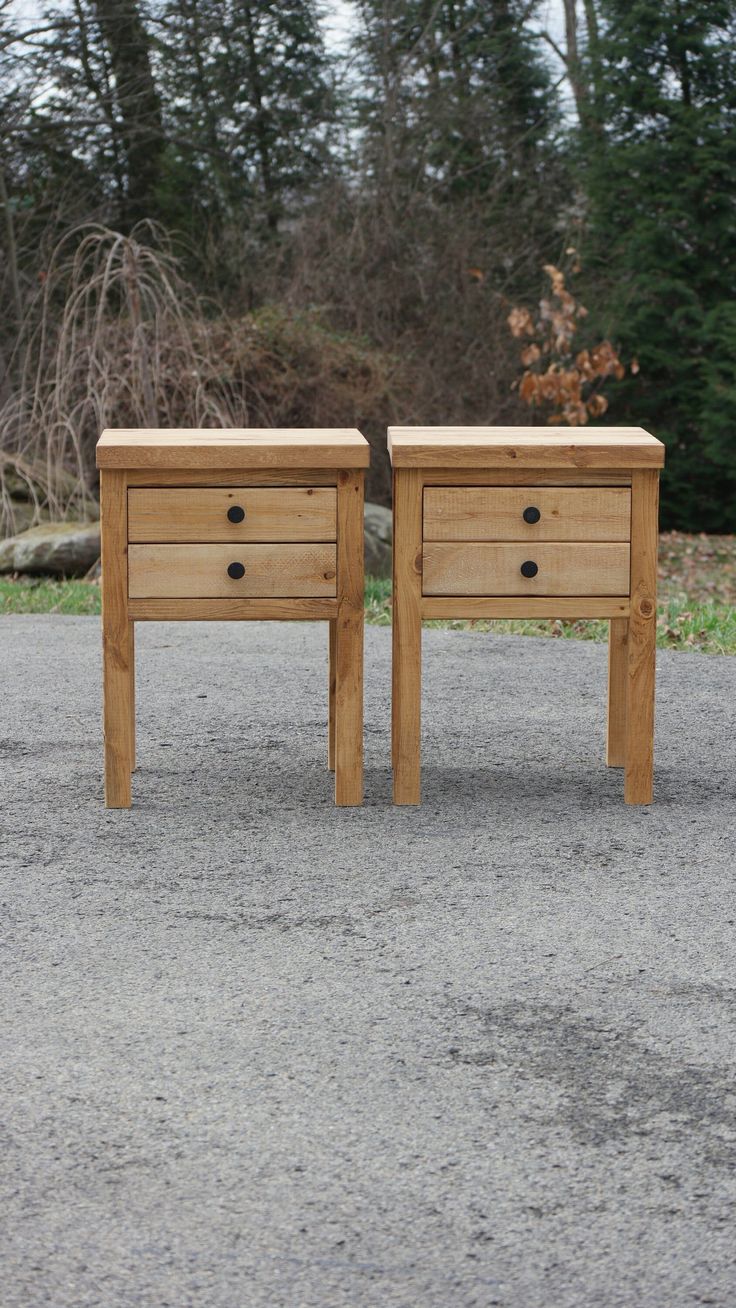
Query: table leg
[[117, 640], [618, 653], [331, 681], [638, 768], [348, 708], [407, 636], [131, 641]]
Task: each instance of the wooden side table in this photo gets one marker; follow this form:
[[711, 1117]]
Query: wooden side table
[[507, 522], [208, 524]]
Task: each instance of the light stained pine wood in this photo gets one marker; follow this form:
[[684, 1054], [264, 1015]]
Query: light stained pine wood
[[589, 568], [544, 447], [187, 516], [117, 643], [131, 646], [496, 513], [484, 606], [158, 478], [407, 636], [525, 477], [638, 770], [249, 447], [602, 578], [201, 571], [394, 651], [232, 610], [176, 479], [616, 717], [348, 710], [331, 686]]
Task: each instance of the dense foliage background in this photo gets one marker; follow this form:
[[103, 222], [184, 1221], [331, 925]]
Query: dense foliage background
[[210, 214]]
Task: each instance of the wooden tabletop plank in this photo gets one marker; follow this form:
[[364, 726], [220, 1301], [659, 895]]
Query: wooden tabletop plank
[[524, 447], [237, 447]]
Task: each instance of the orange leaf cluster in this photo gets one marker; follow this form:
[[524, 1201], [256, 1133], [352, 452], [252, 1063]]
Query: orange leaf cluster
[[569, 384], [521, 323]]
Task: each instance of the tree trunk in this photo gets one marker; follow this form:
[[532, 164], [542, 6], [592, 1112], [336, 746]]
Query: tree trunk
[[136, 100]]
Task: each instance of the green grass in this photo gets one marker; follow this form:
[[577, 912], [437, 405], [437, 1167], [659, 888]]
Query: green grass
[[45, 595], [709, 626], [697, 609]]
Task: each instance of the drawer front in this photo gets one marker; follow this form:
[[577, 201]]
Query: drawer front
[[201, 571], [233, 513], [527, 513], [489, 569]]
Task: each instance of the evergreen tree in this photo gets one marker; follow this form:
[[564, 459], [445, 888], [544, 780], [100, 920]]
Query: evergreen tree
[[466, 103], [662, 239], [103, 100], [134, 102], [249, 102]]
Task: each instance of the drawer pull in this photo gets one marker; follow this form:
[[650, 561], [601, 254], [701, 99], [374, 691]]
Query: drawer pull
[[235, 514], [236, 571], [529, 569], [531, 514]]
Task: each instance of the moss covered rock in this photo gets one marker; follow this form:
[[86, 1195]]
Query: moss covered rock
[[60, 549], [378, 540]]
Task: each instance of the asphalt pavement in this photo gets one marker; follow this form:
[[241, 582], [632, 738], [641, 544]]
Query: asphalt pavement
[[259, 1052]]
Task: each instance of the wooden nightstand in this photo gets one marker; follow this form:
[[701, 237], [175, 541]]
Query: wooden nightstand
[[506, 522], [209, 524]]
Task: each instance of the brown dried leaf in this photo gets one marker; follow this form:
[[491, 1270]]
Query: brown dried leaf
[[528, 388], [530, 354], [597, 405], [520, 322]]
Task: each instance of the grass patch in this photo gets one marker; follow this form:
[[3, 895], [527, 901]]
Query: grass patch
[[697, 594], [48, 595], [709, 627]]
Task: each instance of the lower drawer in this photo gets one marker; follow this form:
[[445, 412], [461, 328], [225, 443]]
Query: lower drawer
[[589, 568], [231, 571]]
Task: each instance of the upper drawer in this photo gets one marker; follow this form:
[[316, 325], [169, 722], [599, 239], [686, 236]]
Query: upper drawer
[[232, 513], [527, 513]]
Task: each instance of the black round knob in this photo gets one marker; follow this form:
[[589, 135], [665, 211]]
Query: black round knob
[[235, 514], [529, 569], [531, 514], [236, 571]]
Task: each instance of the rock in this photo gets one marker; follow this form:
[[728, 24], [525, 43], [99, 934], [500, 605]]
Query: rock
[[378, 538], [24, 516], [64, 484], [59, 548]]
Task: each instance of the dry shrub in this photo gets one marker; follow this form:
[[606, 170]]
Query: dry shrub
[[117, 338], [431, 283], [568, 383]]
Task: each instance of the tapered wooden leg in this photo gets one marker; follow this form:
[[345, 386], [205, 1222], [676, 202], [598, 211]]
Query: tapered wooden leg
[[617, 666], [394, 651], [348, 710], [331, 680], [642, 638], [131, 641], [117, 643], [407, 636]]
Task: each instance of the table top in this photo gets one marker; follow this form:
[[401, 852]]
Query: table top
[[236, 447], [524, 447]]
